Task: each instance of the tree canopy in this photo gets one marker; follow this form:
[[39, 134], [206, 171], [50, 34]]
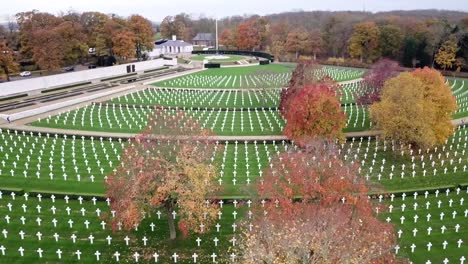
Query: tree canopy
[[416, 109]]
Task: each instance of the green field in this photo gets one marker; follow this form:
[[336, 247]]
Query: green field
[[264, 76], [78, 166]]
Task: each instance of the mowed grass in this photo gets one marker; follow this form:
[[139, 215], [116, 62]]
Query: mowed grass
[[86, 211], [446, 165], [450, 203], [263, 76], [202, 98], [134, 120], [57, 165]]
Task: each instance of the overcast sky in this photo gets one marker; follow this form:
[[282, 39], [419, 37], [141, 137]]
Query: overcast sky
[[156, 10]]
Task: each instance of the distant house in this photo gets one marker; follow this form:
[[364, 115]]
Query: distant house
[[203, 39], [172, 47]]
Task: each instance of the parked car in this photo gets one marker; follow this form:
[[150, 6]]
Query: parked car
[[25, 74], [69, 69], [92, 66]]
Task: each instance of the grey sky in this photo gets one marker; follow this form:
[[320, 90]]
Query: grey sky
[[157, 9]]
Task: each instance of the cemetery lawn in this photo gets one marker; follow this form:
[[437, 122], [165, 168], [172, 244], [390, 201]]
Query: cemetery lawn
[[157, 242], [134, 120], [264, 76], [437, 254], [201, 98]]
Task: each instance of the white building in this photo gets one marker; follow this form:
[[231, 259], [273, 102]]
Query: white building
[[172, 47]]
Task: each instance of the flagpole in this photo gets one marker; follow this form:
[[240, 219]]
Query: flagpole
[[217, 48]]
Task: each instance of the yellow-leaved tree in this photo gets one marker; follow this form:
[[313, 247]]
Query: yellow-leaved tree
[[416, 109]]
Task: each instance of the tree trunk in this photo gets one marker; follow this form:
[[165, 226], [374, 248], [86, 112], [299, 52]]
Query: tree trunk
[[171, 222], [7, 73]]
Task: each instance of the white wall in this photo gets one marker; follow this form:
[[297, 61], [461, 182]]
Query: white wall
[[51, 107], [40, 83]]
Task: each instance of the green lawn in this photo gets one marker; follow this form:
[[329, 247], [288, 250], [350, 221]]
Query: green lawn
[[134, 120], [202, 98], [264, 76], [437, 253], [157, 242], [78, 166]]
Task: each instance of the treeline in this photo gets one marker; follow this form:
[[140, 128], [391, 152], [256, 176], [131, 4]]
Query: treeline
[[52, 41], [414, 38]]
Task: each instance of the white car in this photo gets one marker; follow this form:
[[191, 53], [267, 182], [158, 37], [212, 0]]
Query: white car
[[25, 74]]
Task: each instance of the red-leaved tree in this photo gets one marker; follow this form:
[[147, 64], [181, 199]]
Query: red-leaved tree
[[316, 211], [305, 73], [375, 78], [165, 167], [315, 114]]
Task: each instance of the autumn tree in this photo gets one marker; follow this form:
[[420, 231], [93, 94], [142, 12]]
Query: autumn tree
[[72, 41], [375, 79], [124, 44], [316, 43], [316, 114], [297, 42], [263, 30], [165, 167], [177, 26], [305, 74], [7, 61], [97, 27], [447, 54], [40, 39], [364, 43], [336, 32], [278, 36], [247, 35], [316, 210], [228, 38], [143, 31], [416, 108], [391, 41]]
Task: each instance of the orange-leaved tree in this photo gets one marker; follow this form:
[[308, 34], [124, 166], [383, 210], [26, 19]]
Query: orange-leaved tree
[[315, 113], [315, 210], [166, 167], [416, 108]]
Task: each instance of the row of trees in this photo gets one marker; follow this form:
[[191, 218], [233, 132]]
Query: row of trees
[[413, 108], [54, 41], [427, 38]]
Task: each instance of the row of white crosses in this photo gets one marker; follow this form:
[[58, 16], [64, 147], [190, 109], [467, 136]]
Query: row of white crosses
[[224, 81], [61, 211], [137, 118], [217, 120], [201, 97], [260, 150], [106, 116], [357, 116], [440, 161], [460, 91], [342, 74], [417, 208], [23, 156], [348, 91]]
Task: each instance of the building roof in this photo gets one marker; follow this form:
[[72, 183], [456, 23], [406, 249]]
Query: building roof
[[203, 37], [171, 43]]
